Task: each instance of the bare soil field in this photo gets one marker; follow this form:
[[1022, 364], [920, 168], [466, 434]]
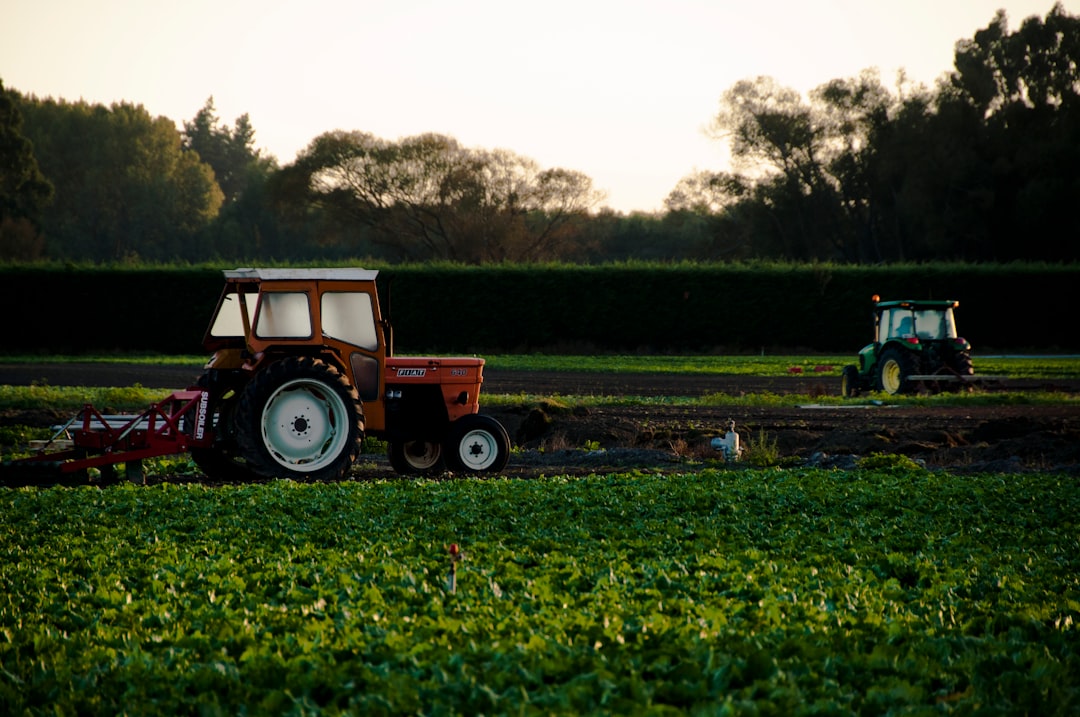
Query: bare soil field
[[558, 439], [965, 438]]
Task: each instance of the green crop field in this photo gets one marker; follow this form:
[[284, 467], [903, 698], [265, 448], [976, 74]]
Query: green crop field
[[723, 591], [887, 590]]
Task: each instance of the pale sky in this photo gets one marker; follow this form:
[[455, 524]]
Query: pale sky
[[620, 90]]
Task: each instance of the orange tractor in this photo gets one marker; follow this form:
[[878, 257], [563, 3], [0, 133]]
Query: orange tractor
[[302, 369]]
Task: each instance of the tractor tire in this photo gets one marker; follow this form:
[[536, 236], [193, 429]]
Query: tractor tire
[[416, 457], [477, 444], [300, 418], [893, 368], [962, 364], [222, 467], [222, 462], [849, 382]]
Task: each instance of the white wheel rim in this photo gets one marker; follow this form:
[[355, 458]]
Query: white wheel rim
[[305, 425], [422, 455], [478, 450]]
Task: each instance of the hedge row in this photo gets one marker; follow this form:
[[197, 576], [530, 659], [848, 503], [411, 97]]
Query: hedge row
[[527, 308]]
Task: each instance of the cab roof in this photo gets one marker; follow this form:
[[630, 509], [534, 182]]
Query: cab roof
[[918, 304], [337, 274]]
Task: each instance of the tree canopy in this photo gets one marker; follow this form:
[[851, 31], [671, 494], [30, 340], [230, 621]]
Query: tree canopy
[[984, 166], [427, 197], [24, 190], [124, 186], [231, 153]]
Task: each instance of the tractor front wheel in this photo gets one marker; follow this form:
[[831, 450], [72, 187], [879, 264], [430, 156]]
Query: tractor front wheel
[[894, 367], [415, 457], [300, 418], [849, 382], [477, 444]]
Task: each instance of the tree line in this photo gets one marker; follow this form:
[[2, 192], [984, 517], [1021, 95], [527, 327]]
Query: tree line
[[982, 167]]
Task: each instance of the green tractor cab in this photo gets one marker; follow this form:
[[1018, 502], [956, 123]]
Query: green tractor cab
[[915, 347]]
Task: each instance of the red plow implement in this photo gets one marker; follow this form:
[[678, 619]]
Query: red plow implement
[[92, 439]]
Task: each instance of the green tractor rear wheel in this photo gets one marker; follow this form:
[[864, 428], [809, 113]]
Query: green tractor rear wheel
[[894, 368], [962, 364]]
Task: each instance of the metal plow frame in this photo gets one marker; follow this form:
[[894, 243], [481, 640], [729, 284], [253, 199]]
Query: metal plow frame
[[969, 381], [95, 440]]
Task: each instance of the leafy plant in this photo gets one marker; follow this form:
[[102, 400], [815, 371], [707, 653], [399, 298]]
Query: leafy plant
[[73, 398], [18, 435], [888, 461], [761, 451]]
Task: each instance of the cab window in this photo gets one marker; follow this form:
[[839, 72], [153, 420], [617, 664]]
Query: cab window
[[283, 315], [350, 317], [229, 322], [895, 323]]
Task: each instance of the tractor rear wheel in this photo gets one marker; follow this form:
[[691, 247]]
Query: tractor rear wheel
[[415, 457], [300, 418], [894, 367], [849, 382], [477, 444], [962, 364]]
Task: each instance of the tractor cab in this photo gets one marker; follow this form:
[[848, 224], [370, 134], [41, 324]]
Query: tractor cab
[[915, 321]]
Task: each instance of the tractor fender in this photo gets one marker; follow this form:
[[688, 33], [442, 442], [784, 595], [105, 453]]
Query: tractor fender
[[266, 358], [899, 345], [867, 359]]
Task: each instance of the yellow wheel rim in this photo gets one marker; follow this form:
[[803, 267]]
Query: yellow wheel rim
[[890, 377]]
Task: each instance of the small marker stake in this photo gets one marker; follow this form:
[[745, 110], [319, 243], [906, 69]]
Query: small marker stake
[[456, 556]]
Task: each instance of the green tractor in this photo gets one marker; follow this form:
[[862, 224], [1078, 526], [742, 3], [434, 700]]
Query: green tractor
[[915, 346]]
